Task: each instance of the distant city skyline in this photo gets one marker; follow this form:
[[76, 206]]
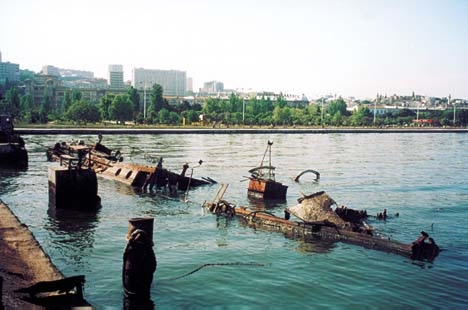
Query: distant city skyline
[[357, 48]]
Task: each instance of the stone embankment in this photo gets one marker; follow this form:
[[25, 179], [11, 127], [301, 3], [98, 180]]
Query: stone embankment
[[234, 130], [23, 262]]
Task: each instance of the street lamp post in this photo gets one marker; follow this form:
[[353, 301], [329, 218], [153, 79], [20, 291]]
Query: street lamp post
[[375, 110], [144, 102], [454, 111], [322, 113], [243, 111]]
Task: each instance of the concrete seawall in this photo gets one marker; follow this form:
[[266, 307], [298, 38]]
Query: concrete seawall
[[23, 262], [205, 130]]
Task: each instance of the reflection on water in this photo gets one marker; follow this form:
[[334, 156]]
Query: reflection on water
[[314, 245], [73, 229], [265, 204], [122, 188]]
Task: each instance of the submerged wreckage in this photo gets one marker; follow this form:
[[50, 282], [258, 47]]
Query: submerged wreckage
[[109, 164], [318, 219], [262, 183], [13, 153]]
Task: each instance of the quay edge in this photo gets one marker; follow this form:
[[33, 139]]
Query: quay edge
[[110, 131], [23, 261]]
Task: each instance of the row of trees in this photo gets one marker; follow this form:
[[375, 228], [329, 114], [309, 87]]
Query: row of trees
[[235, 110], [266, 112]]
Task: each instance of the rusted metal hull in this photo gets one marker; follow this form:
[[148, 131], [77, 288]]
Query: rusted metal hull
[[135, 175], [312, 231], [13, 155], [266, 189]]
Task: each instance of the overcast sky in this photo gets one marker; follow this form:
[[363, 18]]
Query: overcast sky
[[348, 47]]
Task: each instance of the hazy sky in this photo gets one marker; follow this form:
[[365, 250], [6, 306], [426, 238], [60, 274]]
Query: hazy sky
[[346, 47]]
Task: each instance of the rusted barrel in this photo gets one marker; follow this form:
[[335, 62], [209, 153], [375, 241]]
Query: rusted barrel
[[143, 223]]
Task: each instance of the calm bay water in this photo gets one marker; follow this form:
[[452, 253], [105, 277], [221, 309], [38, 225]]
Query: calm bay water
[[422, 176]]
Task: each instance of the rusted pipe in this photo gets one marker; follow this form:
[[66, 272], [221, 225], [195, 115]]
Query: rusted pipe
[[317, 174]]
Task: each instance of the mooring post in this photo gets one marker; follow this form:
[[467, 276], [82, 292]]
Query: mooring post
[[139, 261]]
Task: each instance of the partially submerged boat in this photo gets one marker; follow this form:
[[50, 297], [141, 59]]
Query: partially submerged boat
[[13, 153], [262, 182], [318, 221], [109, 164]]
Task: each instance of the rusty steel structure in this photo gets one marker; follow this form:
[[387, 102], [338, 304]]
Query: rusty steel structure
[[323, 230]]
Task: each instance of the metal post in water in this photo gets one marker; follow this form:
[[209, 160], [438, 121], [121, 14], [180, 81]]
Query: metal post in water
[[139, 261]]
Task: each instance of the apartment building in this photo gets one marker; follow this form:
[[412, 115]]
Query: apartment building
[[9, 72], [173, 82], [116, 77]]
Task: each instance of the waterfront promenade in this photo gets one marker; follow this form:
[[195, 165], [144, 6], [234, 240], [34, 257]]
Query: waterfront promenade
[[234, 130], [23, 261]]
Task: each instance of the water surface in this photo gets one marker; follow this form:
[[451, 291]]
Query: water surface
[[421, 176]]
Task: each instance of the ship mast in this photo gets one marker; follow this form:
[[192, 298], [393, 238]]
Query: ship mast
[[268, 149]]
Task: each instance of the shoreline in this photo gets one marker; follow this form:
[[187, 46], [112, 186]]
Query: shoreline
[[104, 130], [23, 261]]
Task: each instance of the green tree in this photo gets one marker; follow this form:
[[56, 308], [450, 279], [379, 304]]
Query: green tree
[[338, 105], [361, 117], [67, 100], [463, 118], [13, 102], [281, 115], [191, 116], [156, 98], [174, 118], [281, 101], [105, 104], [163, 116], [26, 107], [83, 112], [212, 108], [337, 118], [135, 99], [121, 109], [76, 95], [46, 103]]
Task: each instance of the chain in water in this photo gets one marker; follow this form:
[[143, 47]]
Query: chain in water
[[212, 265]]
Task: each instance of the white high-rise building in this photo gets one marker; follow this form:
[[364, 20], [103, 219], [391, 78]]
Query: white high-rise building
[[50, 70], [116, 77], [190, 84], [173, 82]]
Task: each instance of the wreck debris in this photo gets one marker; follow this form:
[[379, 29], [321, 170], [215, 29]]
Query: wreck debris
[[420, 249], [316, 208], [109, 165], [72, 186], [317, 175], [262, 183], [68, 293], [317, 220], [13, 153]]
